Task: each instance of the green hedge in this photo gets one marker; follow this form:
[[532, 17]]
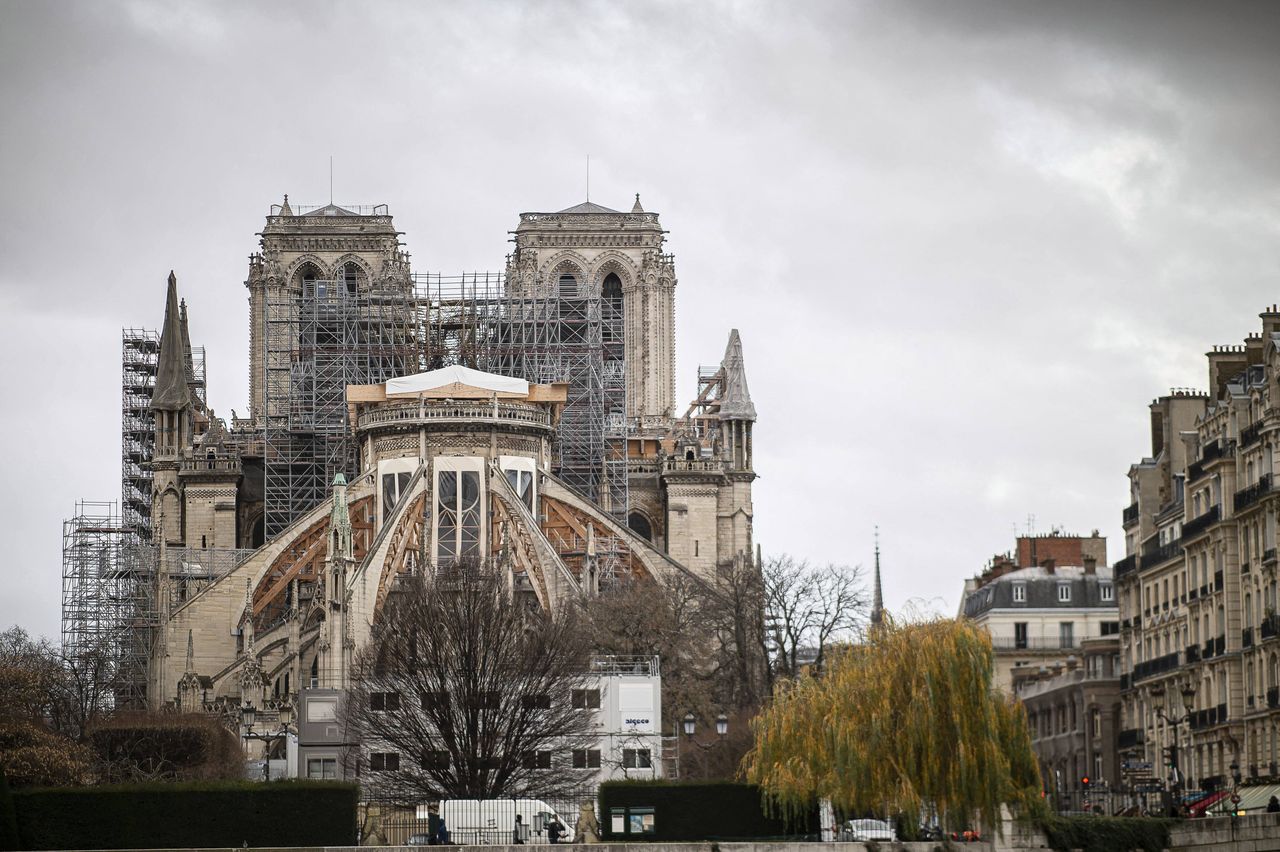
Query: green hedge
[[1107, 834], [184, 815], [699, 811]]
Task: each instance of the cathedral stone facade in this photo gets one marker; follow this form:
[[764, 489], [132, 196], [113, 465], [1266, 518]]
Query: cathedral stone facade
[[423, 463]]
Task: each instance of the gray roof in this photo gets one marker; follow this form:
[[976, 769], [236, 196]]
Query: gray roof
[[1041, 590], [172, 392], [735, 400], [589, 207]]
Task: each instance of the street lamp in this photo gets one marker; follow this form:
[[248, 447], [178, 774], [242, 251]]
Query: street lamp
[[248, 715], [691, 726], [1188, 694]]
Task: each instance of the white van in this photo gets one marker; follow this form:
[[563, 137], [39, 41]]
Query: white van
[[487, 822]]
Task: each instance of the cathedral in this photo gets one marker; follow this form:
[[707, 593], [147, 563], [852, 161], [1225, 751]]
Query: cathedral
[[399, 422]]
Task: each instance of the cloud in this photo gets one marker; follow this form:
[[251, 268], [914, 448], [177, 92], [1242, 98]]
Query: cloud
[[965, 243]]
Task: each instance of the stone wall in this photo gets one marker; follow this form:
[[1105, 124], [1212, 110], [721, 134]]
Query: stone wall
[[1254, 833]]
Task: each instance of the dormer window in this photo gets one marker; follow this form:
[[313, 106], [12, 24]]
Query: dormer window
[[1019, 592], [1106, 591], [1064, 593]]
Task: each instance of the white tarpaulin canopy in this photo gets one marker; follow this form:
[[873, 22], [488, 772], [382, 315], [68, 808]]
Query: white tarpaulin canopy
[[459, 381]]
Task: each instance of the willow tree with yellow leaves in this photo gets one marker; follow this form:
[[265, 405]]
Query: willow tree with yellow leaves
[[904, 722]]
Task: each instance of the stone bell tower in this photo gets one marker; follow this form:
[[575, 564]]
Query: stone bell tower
[[592, 251], [351, 249]]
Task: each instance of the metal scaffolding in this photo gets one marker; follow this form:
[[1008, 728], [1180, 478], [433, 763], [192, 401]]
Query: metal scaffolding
[[321, 338], [139, 355], [108, 601], [331, 334], [471, 319]]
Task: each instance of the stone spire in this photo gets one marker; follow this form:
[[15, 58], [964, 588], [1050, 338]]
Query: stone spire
[[285, 210], [735, 399], [172, 392], [636, 208], [340, 543], [877, 599], [191, 654]]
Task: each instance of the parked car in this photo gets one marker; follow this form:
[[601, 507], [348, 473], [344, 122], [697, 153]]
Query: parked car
[[868, 829]]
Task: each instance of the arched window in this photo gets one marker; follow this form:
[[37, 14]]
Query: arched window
[[350, 277], [567, 286], [640, 525], [611, 287]]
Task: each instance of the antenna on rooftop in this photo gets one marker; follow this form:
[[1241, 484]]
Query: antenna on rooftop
[[330, 180], [588, 177]]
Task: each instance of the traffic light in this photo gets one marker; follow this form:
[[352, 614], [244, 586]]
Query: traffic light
[[1084, 782], [1170, 754]]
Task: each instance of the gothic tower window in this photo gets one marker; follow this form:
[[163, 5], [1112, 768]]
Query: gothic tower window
[[611, 287], [567, 286], [350, 277], [612, 311], [640, 525]]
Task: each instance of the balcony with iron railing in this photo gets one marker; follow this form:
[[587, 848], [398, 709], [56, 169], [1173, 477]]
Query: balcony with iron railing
[[1125, 566], [1131, 738], [1269, 628], [1252, 433], [1246, 637], [1218, 581], [1158, 666], [1200, 524], [1246, 497], [1131, 514], [1155, 553], [1035, 643], [1273, 697], [1193, 653]]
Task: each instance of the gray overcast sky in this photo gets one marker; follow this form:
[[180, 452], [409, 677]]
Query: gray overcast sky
[[966, 243]]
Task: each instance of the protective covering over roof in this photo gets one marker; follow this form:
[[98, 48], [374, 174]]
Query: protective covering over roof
[[735, 401], [589, 207], [172, 392], [457, 380]]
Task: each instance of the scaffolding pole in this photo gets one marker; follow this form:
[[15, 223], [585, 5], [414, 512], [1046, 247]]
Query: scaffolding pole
[[108, 600]]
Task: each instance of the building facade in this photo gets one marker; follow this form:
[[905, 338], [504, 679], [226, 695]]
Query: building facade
[[1074, 716], [1052, 594], [1197, 585], [398, 422]]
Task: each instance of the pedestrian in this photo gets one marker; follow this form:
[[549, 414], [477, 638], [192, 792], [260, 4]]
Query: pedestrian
[[555, 830], [516, 835], [1273, 806], [442, 833]]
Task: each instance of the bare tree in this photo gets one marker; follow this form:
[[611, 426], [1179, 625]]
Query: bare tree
[[809, 608], [463, 693]]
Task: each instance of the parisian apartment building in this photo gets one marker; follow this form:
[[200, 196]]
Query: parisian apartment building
[[1042, 601], [1199, 635]]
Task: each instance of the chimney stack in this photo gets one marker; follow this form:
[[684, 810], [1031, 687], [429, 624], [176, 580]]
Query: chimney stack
[[1090, 565], [1048, 565]]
